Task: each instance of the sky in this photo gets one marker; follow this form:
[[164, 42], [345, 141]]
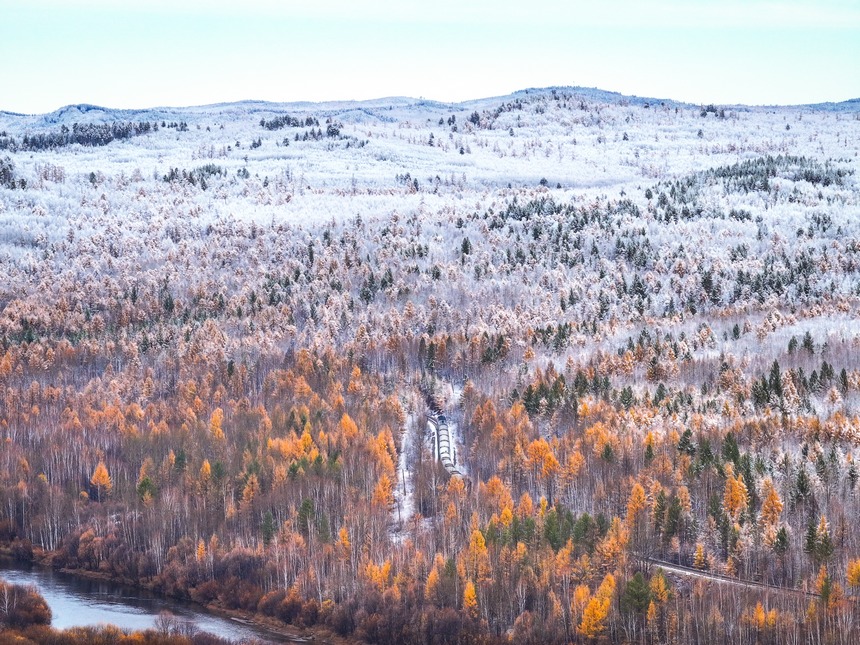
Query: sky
[[193, 52]]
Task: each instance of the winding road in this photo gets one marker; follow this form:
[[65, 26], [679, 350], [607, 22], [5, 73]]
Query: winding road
[[689, 572]]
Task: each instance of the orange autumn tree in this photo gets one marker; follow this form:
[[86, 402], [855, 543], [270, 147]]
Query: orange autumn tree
[[101, 480], [470, 600], [596, 612], [637, 518], [736, 496], [771, 507]]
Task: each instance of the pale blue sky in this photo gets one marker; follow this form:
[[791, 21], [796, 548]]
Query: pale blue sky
[[195, 52]]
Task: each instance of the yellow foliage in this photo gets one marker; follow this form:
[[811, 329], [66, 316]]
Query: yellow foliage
[[497, 493], [215, 422], [477, 557], [541, 460], [526, 507], [456, 487], [659, 588], [379, 575], [684, 500], [101, 479], [853, 574], [596, 612], [822, 579], [432, 584], [635, 504], [146, 469], [772, 616], [771, 507], [575, 463], [612, 547], [521, 552], [581, 596], [344, 546], [382, 448], [306, 442], [735, 497], [652, 612], [761, 619], [649, 440], [343, 539], [252, 487], [700, 561], [470, 600], [383, 495]]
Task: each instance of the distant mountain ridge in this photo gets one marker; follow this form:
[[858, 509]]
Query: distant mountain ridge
[[89, 113]]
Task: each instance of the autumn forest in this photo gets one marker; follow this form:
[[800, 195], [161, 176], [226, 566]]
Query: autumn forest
[[554, 368]]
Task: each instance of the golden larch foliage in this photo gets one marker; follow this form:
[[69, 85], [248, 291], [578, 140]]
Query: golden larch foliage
[[596, 612], [581, 596], [684, 500], [612, 548], [771, 507], [470, 600], [101, 480], [735, 497], [477, 556], [383, 495], [575, 463], [635, 504], [659, 588], [252, 487], [762, 619], [497, 493], [700, 560], [343, 544], [431, 585], [215, 422], [526, 507], [541, 459], [379, 575], [853, 574]]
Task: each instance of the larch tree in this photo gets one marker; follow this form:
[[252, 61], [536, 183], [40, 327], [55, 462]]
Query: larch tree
[[101, 480], [596, 613]]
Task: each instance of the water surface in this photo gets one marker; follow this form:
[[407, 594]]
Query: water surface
[[80, 602]]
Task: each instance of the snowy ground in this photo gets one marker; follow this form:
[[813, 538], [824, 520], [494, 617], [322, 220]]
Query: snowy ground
[[403, 183], [581, 142], [404, 493]]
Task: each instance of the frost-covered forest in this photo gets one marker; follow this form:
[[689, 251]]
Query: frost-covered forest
[[561, 366]]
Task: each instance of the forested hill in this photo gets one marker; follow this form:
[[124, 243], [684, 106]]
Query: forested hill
[[436, 373]]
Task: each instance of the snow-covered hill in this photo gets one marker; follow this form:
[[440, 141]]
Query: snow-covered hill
[[574, 138]]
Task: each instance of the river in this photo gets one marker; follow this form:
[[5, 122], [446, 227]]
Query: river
[[77, 602]]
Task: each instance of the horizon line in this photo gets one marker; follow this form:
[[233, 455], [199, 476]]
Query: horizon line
[[417, 99]]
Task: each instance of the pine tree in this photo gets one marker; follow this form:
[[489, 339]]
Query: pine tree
[[637, 595]]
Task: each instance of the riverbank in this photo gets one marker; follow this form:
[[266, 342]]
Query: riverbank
[[265, 626]]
